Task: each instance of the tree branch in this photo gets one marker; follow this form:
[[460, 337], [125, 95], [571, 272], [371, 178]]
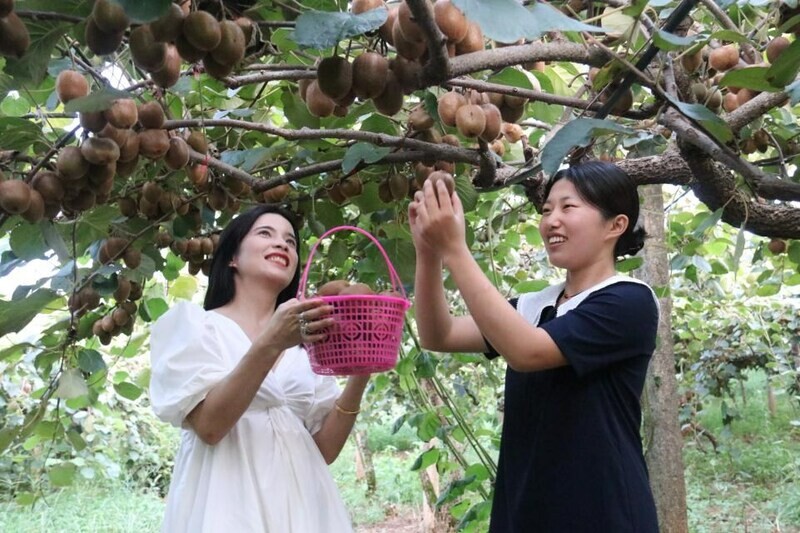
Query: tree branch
[[437, 69], [48, 15], [755, 108]]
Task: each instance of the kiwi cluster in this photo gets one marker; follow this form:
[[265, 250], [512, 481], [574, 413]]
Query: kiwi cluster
[[14, 37], [341, 190], [179, 34], [19, 198], [116, 248], [343, 287], [197, 252], [120, 318]]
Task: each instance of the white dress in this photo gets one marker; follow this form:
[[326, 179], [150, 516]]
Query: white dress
[[267, 474]]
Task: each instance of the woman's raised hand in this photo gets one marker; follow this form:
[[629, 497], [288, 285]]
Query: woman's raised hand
[[296, 321], [436, 218]]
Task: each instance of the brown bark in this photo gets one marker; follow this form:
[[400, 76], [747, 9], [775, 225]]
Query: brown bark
[[663, 438]]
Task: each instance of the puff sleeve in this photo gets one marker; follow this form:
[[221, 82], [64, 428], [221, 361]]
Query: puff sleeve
[[326, 391], [186, 361]]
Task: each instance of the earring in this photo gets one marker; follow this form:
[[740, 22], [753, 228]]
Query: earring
[[232, 264]]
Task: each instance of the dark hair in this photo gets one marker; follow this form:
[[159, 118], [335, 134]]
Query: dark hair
[[221, 287], [608, 188]]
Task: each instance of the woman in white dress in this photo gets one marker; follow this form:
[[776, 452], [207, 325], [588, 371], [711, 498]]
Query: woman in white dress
[[258, 426]]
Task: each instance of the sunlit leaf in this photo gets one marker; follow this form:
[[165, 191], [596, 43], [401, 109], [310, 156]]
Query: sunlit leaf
[[577, 133], [323, 29], [71, 384], [15, 315]]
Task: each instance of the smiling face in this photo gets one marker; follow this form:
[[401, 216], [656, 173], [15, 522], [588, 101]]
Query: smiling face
[[575, 233], [268, 252]]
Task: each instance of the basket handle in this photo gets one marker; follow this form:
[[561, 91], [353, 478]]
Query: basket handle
[[396, 283]]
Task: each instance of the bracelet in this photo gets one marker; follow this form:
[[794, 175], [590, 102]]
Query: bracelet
[[345, 411]]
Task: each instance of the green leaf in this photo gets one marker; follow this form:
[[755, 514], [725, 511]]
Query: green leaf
[[710, 220], [7, 436], [338, 252], [71, 384], [27, 242], [466, 192], [144, 11], [128, 390], [728, 35], [362, 151], [22, 134], [24, 498], [323, 29], [425, 365], [507, 21], [425, 459], [669, 41], [749, 78], [768, 289], [153, 308], [15, 315], [579, 132], [297, 112], [62, 475], [90, 361], [532, 285], [184, 288], [636, 8], [31, 69], [628, 264], [784, 70], [794, 251], [513, 77], [700, 113], [739, 249], [99, 100]]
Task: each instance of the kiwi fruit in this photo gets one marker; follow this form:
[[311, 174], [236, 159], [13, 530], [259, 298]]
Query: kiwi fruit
[[419, 119], [99, 150], [452, 140], [247, 26], [370, 71], [202, 30], [122, 113], [129, 150], [398, 186], [446, 166], [6, 7], [625, 101], [333, 288], [123, 290], [127, 168], [217, 198], [448, 104], [317, 102], [335, 77], [15, 37], [197, 140], [714, 101], [356, 289], [231, 47], [98, 174], [110, 16], [691, 62], [445, 177], [360, 6], [70, 85], [405, 19], [151, 115], [335, 194], [215, 69], [168, 26], [451, 21], [407, 72], [421, 172], [198, 175], [132, 258], [405, 47], [168, 75], [117, 135], [384, 192], [385, 31], [127, 207], [777, 246], [351, 186], [494, 121], [177, 155], [498, 147], [49, 186], [745, 95], [390, 101], [277, 194], [147, 53], [71, 163], [151, 191], [35, 211], [724, 58], [111, 249], [730, 102], [100, 42], [472, 42], [153, 144], [93, 121], [187, 50], [15, 196], [470, 120], [511, 114], [776, 47]]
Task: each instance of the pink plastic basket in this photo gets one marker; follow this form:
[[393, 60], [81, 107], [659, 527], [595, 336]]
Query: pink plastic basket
[[369, 328]]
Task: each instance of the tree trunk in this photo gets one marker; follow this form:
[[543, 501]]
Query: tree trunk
[[662, 432], [364, 462]]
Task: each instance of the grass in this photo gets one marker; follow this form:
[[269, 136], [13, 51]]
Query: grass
[[752, 482]]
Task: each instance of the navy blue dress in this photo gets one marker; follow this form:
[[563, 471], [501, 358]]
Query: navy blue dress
[[571, 456]]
